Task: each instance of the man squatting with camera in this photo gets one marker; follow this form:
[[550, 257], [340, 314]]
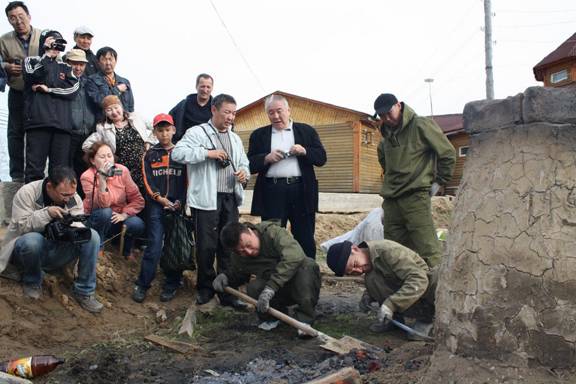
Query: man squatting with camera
[[216, 161], [46, 233]]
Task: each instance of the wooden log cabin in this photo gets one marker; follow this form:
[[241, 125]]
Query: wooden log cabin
[[350, 138], [558, 68]]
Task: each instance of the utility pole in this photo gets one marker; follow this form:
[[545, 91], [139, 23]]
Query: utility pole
[[429, 81], [488, 49]]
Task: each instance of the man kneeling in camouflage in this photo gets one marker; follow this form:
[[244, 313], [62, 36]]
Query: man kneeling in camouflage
[[284, 275], [395, 276]]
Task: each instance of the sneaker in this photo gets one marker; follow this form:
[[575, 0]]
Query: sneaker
[[88, 302], [139, 294], [167, 294], [422, 328], [269, 325], [32, 291]]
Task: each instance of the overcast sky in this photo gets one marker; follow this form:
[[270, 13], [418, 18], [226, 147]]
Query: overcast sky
[[340, 52]]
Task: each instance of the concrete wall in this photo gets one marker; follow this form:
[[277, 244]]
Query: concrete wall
[[507, 289]]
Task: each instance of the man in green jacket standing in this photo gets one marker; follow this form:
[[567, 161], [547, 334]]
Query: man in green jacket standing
[[396, 277], [417, 159], [284, 275]]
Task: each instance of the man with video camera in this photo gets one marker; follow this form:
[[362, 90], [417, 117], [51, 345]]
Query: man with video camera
[[50, 86], [46, 233]]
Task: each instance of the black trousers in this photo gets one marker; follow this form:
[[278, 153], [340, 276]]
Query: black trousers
[[15, 133], [208, 247], [286, 202], [77, 159], [42, 144]]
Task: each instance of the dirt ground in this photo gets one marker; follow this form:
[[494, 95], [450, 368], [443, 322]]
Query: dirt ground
[[226, 345]]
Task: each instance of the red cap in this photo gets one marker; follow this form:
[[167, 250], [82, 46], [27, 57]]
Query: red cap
[[162, 117]]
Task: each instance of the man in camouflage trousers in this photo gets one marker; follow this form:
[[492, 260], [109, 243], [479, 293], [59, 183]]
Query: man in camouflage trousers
[[417, 159], [284, 275], [395, 276]]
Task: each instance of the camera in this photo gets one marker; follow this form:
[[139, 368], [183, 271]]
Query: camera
[[59, 45], [223, 163], [17, 61], [62, 231], [287, 155], [111, 172]]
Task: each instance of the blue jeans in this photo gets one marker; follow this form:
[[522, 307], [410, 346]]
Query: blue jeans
[[33, 254], [153, 252], [100, 220]]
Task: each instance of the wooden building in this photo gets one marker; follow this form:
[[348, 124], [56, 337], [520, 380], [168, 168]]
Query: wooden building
[[558, 69], [350, 138], [453, 126]]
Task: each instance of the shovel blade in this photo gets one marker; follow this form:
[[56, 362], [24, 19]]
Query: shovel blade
[[345, 344]]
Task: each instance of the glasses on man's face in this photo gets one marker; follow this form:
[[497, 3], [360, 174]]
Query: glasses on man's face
[[15, 19]]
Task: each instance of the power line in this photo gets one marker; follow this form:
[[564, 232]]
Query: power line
[[516, 11], [537, 25], [237, 47]]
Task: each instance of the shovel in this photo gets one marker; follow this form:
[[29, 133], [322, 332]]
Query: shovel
[[340, 346]]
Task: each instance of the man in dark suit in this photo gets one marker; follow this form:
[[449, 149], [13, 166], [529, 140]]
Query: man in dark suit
[[284, 155]]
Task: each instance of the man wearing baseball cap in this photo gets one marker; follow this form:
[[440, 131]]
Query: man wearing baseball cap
[[83, 114], [395, 277], [417, 159], [165, 184], [83, 39]]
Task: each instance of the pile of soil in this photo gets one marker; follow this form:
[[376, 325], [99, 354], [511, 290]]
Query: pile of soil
[[109, 347]]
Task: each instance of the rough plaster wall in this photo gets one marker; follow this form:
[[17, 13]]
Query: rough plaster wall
[[507, 290]]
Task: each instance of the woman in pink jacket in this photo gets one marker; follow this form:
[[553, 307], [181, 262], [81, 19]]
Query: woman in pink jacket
[[111, 197]]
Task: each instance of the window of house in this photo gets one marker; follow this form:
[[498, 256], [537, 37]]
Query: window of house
[[559, 76], [367, 137], [463, 151]]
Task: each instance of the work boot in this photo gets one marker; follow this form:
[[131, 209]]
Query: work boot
[[32, 291], [229, 301], [422, 328], [203, 296], [139, 294], [88, 302], [381, 326], [167, 294]]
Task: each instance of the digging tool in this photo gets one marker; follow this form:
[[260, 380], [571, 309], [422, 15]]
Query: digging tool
[[341, 346], [411, 331]]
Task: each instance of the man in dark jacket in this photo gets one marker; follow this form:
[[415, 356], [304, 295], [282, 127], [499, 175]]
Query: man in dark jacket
[[83, 39], [49, 87], [283, 155], [83, 113], [107, 82], [195, 108], [284, 275], [417, 159]]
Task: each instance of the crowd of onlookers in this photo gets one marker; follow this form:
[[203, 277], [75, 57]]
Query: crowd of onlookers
[[72, 111]]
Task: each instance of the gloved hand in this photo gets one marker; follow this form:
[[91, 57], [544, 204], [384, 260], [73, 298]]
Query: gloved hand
[[264, 300], [384, 314], [220, 282], [434, 189], [365, 302]]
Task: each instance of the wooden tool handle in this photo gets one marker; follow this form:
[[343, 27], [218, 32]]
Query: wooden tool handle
[[277, 314]]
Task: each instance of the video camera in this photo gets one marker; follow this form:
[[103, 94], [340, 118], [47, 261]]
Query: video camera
[[112, 171], [62, 230], [59, 45]]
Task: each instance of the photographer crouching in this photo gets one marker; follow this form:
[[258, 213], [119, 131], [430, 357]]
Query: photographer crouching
[[46, 233]]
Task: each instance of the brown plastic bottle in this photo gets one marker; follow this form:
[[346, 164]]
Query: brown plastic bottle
[[29, 367]]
